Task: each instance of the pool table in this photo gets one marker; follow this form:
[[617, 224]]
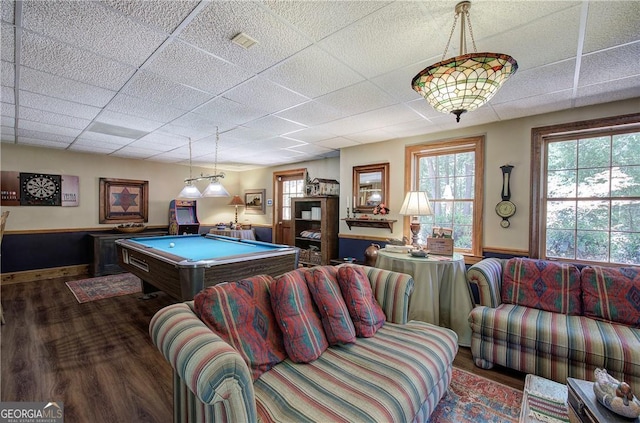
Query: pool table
[[183, 265]]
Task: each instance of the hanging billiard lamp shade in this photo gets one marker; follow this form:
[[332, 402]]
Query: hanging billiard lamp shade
[[463, 83]]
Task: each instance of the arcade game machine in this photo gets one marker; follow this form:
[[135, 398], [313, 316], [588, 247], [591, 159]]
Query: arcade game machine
[[183, 218]]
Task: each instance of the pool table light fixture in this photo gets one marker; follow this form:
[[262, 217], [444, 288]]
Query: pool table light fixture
[[214, 189]]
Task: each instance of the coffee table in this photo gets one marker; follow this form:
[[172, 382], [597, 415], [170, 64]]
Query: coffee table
[[543, 400]]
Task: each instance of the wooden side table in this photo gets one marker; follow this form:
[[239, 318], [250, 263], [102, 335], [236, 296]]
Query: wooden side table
[[585, 408]]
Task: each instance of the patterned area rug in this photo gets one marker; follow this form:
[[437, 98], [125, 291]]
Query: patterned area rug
[[86, 290], [475, 399]]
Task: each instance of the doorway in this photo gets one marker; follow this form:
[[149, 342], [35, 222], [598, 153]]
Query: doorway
[[286, 185]]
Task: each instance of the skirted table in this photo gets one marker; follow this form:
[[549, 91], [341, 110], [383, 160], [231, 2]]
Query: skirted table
[[441, 295], [234, 233]]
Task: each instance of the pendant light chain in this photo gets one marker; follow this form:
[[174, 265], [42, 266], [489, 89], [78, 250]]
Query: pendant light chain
[[190, 169], [215, 157], [453, 28], [473, 40]]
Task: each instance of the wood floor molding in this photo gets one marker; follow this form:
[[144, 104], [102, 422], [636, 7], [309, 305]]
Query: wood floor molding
[[40, 274]]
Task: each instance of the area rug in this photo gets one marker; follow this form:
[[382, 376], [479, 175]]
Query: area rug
[[93, 289], [475, 399]]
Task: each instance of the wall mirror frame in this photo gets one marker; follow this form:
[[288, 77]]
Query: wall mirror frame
[[370, 186]]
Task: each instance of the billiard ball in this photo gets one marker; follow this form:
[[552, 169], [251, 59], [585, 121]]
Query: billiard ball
[[171, 245]]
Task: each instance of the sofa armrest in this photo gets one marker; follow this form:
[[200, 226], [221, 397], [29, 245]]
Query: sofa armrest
[[392, 291], [485, 277], [210, 368]]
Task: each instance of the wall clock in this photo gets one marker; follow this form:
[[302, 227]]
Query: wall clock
[[505, 208], [39, 189]]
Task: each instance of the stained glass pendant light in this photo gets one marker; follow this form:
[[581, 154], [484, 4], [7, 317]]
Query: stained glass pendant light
[[463, 83]]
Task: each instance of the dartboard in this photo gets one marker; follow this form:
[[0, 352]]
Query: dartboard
[[37, 189]]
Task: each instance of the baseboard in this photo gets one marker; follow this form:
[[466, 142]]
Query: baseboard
[[39, 274]]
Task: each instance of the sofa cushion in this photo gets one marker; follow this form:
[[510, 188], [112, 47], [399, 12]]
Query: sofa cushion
[[365, 312], [240, 312], [612, 294], [542, 284], [326, 294], [298, 318]]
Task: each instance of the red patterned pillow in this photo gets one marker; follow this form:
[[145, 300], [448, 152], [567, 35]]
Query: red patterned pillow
[[240, 312], [612, 294], [542, 284], [366, 313], [295, 312], [326, 294]]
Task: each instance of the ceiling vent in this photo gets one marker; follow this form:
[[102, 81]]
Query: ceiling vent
[[244, 41]]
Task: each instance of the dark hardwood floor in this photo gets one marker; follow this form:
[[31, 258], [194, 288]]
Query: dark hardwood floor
[[97, 358]]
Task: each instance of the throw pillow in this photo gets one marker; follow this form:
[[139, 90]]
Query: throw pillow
[[612, 294], [366, 313], [542, 284], [304, 338], [240, 313], [326, 294]]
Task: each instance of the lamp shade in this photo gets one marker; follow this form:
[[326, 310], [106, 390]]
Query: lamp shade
[[236, 201], [215, 189], [416, 203], [190, 191]]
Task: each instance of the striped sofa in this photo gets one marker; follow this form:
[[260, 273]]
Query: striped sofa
[[590, 331], [398, 375]]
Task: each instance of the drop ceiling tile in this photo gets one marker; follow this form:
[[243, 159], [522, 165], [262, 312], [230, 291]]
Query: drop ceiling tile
[[8, 95], [214, 27], [310, 135], [358, 98], [96, 138], [318, 19], [312, 149], [184, 131], [42, 143], [336, 143], [370, 136], [243, 134], [45, 127], [604, 66], [93, 27], [8, 74], [162, 140], [8, 133], [610, 24], [422, 108], [274, 125], [410, 129], [134, 153], [56, 105], [136, 106], [223, 110], [165, 15], [528, 106], [46, 136], [94, 149], [8, 121], [310, 114], [128, 121], [8, 6], [274, 143], [66, 89], [264, 94], [7, 41], [197, 122], [205, 72], [397, 35], [154, 88], [52, 118], [397, 83], [598, 93], [312, 72], [534, 82], [8, 110]]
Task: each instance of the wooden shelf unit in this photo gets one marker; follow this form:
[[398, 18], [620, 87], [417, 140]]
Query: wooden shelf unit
[[327, 243], [371, 223]]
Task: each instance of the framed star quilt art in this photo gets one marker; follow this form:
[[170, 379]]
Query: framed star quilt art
[[123, 200]]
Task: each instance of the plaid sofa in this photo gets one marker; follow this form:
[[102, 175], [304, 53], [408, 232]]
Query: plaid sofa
[[398, 375], [556, 321]]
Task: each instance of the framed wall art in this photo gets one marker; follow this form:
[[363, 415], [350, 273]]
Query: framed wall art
[[124, 200], [254, 201]]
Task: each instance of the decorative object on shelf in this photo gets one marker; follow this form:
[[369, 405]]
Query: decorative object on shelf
[[505, 208], [465, 82], [370, 184], [322, 187], [123, 200], [615, 395], [254, 201], [214, 189], [381, 209], [130, 228], [236, 201], [416, 203], [371, 254]]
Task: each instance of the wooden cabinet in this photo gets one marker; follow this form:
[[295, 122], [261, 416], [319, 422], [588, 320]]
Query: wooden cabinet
[[315, 229], [105, 257]]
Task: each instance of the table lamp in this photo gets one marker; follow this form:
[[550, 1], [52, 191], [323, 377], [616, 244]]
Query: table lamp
[[236, 201], [415, 204]]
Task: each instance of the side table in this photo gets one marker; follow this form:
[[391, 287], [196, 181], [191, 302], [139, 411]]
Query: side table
[[584, 407]]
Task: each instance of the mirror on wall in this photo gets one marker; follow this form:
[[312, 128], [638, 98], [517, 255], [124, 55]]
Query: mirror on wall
[[370, 184]]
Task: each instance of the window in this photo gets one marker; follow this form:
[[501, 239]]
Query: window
[[589, 184], [291, 188], [451, 175]]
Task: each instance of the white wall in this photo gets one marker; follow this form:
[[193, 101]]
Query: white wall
[[507, 142]]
